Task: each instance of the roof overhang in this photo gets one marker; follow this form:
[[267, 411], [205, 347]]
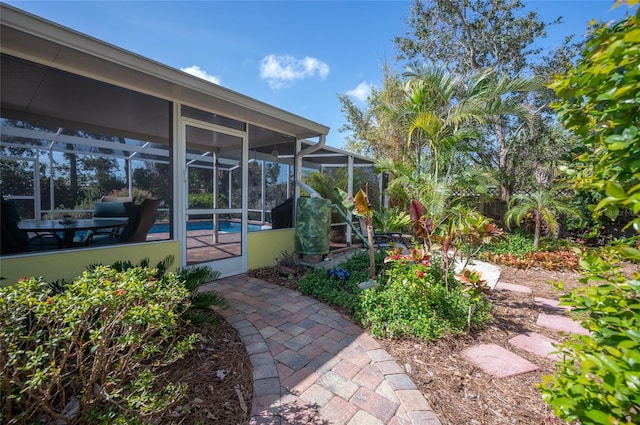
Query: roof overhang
[[37, 40]]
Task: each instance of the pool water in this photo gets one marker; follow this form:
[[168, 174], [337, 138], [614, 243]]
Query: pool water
[[223, 226]]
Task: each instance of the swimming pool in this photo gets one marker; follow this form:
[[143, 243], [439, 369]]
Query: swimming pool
[[224, 226]]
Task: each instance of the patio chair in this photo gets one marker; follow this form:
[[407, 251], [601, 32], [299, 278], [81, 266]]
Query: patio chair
[[13, 240], [147, 214], [110, 210], [140, 220]]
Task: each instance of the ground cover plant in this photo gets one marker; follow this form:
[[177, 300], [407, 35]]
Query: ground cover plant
[[338, 289], [517, 250], [412, 298]]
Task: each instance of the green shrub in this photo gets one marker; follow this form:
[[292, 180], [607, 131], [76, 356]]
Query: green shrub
[[88, 354], [341, 293], [517, 243], [557, 244], [199, 304], [338, 292], [411, 302], [598, 380], [200, 200]]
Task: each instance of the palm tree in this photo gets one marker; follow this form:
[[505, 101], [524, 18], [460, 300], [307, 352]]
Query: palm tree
[[435, 124], [494, 100], [545, 206]]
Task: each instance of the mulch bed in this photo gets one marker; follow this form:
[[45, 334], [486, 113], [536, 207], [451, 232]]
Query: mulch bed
[[219, 375]]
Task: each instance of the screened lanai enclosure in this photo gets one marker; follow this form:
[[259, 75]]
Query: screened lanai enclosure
[[106, 155], [53, 173]]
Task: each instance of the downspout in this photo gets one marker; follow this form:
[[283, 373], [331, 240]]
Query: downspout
[[299, 156]]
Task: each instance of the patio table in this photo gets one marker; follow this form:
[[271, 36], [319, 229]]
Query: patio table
[[68, 230]]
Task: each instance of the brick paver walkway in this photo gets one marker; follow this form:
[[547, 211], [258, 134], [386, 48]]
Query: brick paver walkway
[[311, 365]]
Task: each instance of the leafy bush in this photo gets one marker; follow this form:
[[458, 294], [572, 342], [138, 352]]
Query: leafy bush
[[411, 302], [412, 298], [200, 200], [516, 243], [343, 293], [199, 304], [88, 353], [598, 380]]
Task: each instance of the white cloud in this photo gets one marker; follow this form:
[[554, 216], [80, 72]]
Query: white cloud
[[281, 71], [198, 72], [361, 92]]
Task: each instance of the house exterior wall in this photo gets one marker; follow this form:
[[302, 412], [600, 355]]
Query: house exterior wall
[[70, 264], [264, 247]]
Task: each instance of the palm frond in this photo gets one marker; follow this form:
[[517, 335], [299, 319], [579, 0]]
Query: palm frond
[[208, 299], [194, 277], [201, 316]]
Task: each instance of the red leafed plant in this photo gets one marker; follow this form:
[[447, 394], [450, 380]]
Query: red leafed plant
[[422, 225], [555, 260]]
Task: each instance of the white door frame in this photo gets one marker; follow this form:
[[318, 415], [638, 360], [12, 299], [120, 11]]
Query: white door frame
[[227, 266]]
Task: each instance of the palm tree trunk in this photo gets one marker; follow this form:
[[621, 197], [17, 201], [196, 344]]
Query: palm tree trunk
[[503, 151], [536, 232]]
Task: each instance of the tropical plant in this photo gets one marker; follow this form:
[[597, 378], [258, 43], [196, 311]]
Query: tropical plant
[[360, 207], [497, 101], [408, 183], [391, 220], [598, 381], [475, 231], [435, 124], [461, 231], [474, 287], [543, 207], [412, 301], [488, 35], [201, 302]]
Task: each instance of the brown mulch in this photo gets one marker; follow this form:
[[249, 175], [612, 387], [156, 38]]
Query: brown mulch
[[219, 376], [458, 391]]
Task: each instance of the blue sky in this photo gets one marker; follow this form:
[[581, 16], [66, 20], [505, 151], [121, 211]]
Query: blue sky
[[295, 55]]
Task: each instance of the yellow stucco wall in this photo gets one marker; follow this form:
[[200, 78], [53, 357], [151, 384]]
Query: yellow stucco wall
[[70, 264], [264, 247]]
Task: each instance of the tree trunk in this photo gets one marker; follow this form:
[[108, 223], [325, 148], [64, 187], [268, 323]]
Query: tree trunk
[[536, 233], [503, 151]]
